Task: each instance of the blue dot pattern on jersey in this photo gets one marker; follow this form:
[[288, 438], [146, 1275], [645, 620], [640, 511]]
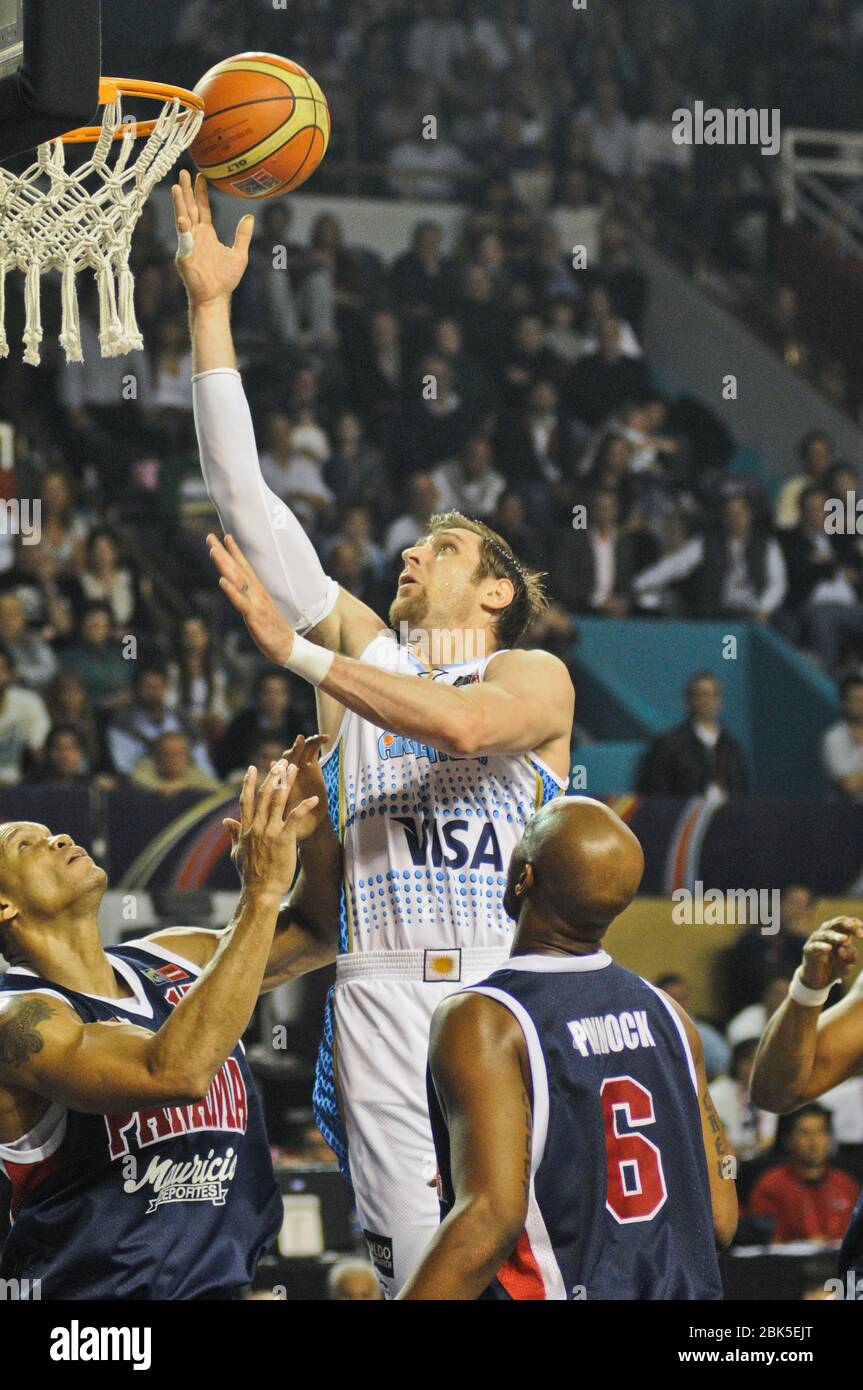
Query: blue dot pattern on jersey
[[456, 790], [324, 1099], [408, 892]]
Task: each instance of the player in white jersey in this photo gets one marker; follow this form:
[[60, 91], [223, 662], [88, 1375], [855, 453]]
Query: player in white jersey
[[435, 763]]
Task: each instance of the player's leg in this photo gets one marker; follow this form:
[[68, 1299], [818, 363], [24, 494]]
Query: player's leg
[[392, 1165], [381, 1037]]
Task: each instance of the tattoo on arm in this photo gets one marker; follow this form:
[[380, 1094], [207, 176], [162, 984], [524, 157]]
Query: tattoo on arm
[[718, 1137], [707, 1101], [20, 1038], [528, 1141]]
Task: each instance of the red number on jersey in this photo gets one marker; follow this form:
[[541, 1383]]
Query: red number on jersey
[[636, 1182]]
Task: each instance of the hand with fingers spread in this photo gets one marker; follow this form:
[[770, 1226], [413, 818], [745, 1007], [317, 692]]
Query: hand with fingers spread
[[264, 840], [829, 954], [209, 269], [269, 629], [309, 789]]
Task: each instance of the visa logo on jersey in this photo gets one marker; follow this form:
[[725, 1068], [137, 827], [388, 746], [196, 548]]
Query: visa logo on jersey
[[395, 746], [452, 843]]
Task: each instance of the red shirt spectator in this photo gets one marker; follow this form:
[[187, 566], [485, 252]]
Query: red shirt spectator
[[807, 1199]]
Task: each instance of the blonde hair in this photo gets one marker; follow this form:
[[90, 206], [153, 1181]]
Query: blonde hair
[[496, 557]]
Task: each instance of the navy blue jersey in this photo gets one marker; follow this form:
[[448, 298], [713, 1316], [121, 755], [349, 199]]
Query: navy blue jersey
[[168, 1203], [619, 1204]]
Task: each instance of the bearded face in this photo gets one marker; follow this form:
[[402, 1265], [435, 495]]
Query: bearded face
[[442, 591], [411, 606]]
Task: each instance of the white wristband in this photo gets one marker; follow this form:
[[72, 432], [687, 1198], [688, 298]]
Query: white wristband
[[802, 994], [309, 661]]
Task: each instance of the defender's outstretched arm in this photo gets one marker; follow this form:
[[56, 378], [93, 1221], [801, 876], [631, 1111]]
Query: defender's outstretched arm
[[107, 1068], [804, 1052], [307, 931]]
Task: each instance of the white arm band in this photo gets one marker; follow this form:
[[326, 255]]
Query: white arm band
[[266, 530], [309, 661], [802, 994]]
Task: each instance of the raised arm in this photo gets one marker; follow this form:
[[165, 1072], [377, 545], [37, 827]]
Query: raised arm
[[105, 1068], [307, 932], [307, 929], [481, 1074], [267, 528], [804, 1052], [525, 702]]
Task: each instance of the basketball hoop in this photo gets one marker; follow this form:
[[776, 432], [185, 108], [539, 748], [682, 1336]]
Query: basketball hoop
[[54, 219]]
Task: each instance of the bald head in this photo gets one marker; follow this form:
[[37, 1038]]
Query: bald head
[[576, 868]]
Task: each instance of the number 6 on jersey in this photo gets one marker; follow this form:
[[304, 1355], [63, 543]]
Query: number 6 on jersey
[[636, 1182]]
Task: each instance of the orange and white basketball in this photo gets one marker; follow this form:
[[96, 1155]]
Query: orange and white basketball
[[266, 127]]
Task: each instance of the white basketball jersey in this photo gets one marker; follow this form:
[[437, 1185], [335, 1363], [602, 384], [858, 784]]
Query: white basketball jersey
[[427, 835]]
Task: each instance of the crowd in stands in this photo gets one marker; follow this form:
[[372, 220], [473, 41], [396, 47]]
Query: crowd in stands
[[567, 109], [485, 374]]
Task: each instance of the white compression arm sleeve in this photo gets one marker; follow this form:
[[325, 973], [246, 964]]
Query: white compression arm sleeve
[[268, 533]]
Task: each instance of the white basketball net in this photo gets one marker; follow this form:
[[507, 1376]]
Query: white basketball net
[[51, 219]]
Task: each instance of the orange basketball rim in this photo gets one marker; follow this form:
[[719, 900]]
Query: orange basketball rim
[[112, 87]]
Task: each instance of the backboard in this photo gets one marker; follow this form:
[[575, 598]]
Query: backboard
[[11, 35], [50, 64]]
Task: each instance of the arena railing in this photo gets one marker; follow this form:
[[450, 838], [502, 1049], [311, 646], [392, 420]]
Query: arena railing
[[817, 167]]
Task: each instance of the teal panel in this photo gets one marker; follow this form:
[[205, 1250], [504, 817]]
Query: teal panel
[[630, 676], [610, 769]]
